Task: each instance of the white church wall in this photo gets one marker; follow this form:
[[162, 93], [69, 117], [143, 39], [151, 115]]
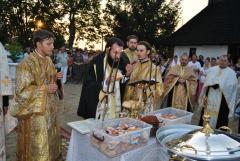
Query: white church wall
[[205, 50], [12, 74]]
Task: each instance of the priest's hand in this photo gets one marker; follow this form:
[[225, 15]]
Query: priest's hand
[[52, 88], [196, 70], [182, 81], [129, 69], [59, 75], [112, 79]]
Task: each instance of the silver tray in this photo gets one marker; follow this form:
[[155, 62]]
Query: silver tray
[[172, 132]]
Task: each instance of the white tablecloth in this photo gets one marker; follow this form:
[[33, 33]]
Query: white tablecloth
[[80, 149]]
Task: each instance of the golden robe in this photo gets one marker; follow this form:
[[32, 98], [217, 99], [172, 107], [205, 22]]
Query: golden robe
[[182, 93], [145, 71], [132, 55], [38, 130]]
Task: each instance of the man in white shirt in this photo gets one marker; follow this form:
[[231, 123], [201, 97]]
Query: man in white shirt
[[175, 61], [195, 65], [62, 58]]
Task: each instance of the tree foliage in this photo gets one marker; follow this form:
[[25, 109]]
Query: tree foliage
[[83, 19], [150, 20], [18, 19]]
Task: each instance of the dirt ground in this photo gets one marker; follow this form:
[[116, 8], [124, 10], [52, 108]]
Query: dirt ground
[[68, 113]]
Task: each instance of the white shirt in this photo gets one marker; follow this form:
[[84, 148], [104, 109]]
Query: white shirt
[[173, 63], [62, 58], [162, 68], [195, 66], [202, 76]]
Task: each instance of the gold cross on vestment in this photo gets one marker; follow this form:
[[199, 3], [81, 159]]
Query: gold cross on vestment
[[6, 81]]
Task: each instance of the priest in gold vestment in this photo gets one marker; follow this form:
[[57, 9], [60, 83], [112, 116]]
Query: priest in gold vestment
[[34, 103], [145, 70], [180, 86], [131, 51]]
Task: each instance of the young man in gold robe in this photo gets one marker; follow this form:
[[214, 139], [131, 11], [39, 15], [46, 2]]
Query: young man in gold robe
[[144, 70], [34, 103], [180, 86], [130, 51]]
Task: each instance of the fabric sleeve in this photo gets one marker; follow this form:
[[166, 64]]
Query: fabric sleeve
[[159, 87], [29, 98], [191, 84]]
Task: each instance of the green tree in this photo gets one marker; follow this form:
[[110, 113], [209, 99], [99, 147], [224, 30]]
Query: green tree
[[51, 13], [15, 49], [150, 20], [83, 19], [18, 19], [4, 26]]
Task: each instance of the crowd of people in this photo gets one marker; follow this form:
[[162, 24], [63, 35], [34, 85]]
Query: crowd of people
[[180, 82], [116, 83], [72, 63]]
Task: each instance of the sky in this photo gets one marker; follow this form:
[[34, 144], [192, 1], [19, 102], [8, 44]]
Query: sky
[[189, 9]]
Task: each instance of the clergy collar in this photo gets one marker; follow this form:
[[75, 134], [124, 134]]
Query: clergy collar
[[39, 55], [110, 61], [222, 67], [144, 61], [183, 67], [131, 50]]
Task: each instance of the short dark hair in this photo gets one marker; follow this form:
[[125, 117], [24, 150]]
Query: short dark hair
[[194, 54], [40, 35], [185, 54], [112, 41], [212, 58], [207, 58], [201, 57], [224, 56], [146, 44], [132, 37]]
